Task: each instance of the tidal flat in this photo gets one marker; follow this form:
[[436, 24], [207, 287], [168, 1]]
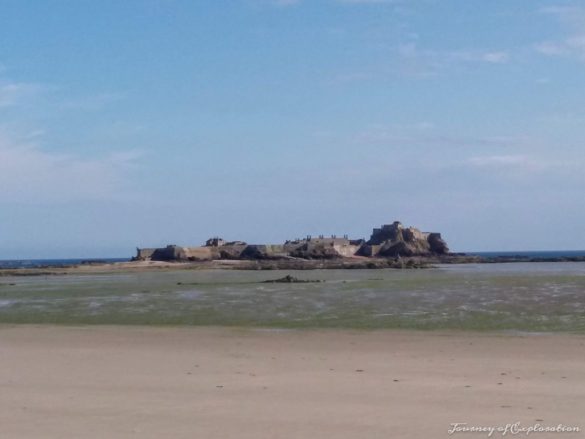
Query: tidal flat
[[531, 297]]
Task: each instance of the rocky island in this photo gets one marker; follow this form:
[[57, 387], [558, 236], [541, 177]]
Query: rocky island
[[391, 245]]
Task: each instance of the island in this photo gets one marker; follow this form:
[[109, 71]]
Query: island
[[391, 245]]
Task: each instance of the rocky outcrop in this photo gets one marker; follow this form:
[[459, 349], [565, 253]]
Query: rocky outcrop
[[288, 279], [395, 240], [317, 250], [178, 253], [438, 244], [232, 251], [263, 252], [389, 241]]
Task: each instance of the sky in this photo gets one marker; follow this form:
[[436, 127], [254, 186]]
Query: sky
[[153, 122]]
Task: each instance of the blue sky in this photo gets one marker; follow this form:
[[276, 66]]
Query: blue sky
[[142, 123]]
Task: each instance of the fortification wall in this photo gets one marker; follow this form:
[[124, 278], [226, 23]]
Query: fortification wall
[[390, 240], [292, 246], [369, 250], [231, 251], [168, 253], [346, 250], [199, 253], [144, 254], [264, 251]]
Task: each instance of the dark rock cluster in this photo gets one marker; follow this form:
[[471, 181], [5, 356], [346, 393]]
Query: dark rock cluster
[[395, 240]]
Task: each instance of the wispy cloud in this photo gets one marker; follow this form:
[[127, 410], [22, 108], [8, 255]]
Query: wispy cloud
[[30, 173], [345, 78], [422, 62], [285, 3], [17, 93], [569, 14], [427, 133], [447, 56], [500, 161], [551, 48], [91, 102], [494, 57], [527, 165], [573, 44], [367, 2]]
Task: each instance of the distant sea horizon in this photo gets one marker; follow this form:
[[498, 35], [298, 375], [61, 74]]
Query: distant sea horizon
[[545, 254], [57, 262], [36, 263]]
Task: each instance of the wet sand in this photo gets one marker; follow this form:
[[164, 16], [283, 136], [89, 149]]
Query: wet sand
[[353, 262], [127, 382]]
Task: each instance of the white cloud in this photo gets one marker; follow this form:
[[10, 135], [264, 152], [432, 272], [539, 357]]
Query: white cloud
[[346, 78], [424, 63], [426, 133], [274, 3], [573, 44], [92, 103], [568, 14], [284, 3], [16, 93], [365, 2], [577, 42], [495, 57], [492, 57], [500, 161], [29, 173], [33, 173], [523, 164], [550, 48]]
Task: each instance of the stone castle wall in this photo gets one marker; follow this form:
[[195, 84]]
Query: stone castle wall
[[390, 240]]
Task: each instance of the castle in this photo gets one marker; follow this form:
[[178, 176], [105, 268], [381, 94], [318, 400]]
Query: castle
[[389, 241]]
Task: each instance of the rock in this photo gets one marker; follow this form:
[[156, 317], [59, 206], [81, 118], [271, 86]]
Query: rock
[[214, 242], [230, 251], [388, 232], [263, 252], [389, 241], [288, 279], [394, 240], [315, 252], [94, 262], [328, 248], [254, 252], [437, 244]]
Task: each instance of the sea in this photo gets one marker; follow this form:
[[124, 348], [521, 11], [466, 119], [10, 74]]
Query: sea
[[550, 254], [536, 297], [36, 263]]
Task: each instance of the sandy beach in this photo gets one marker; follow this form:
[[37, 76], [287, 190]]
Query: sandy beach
[[122, 382]]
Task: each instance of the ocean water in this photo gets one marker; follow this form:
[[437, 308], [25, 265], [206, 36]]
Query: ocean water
[[554, 254], [533, 297], [36, 263]]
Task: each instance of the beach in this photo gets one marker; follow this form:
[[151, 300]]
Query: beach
[[292, 219], [212, 382]]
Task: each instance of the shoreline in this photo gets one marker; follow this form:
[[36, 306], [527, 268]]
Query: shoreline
[[224, 264], [215, 382], [354, 263], [432, 332]]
